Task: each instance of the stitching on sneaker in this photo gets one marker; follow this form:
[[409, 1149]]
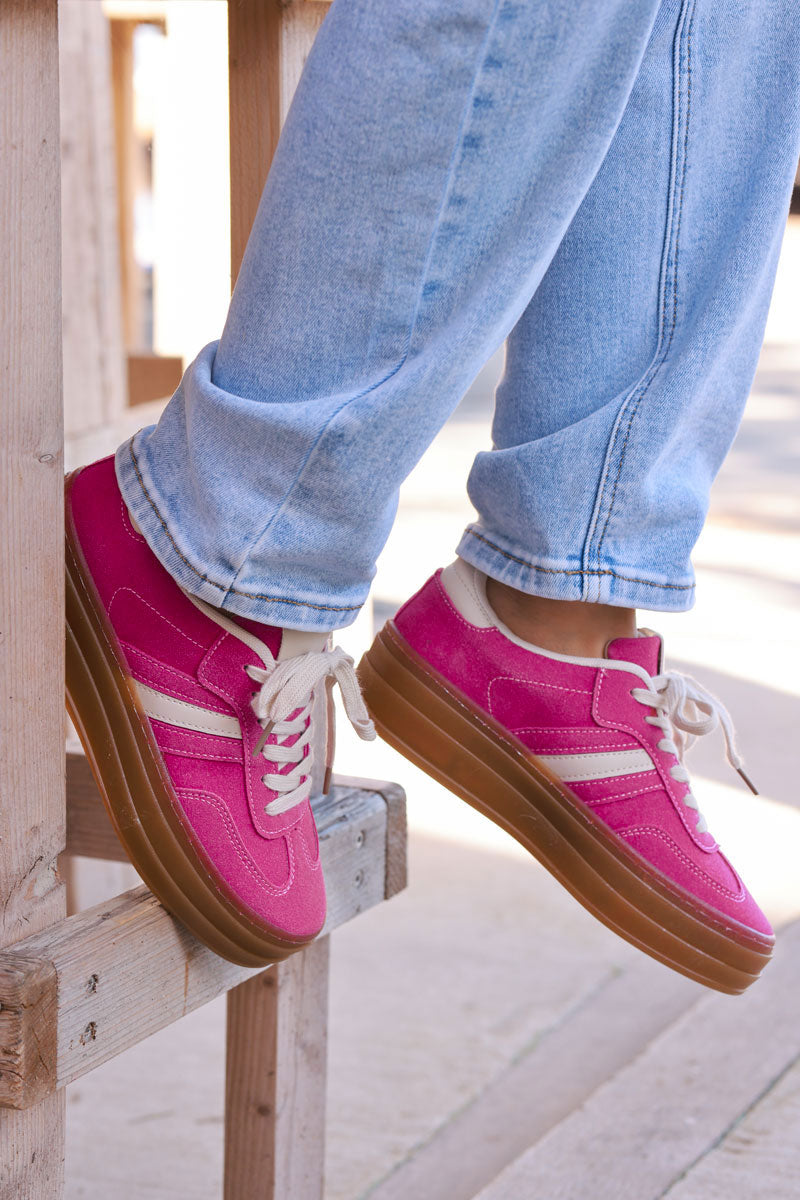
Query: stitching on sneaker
[[641, 791], [128, 526], [664, 837], [313, 861], [210, 704], [124, 588], [247, 743], [537, 683], [199, 752], [238, 845]]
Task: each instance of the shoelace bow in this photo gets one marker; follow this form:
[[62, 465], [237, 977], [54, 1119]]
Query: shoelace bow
[[686, 711], [282, 706]]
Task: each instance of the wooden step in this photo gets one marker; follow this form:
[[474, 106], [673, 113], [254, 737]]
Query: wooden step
[[653, 1125], [545, 1083]]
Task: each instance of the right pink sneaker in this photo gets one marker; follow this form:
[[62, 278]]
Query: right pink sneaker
[[580, 760]]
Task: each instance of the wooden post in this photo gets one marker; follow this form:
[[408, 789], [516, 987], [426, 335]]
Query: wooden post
[[32, 572], [268, 43], [277, 1022], [275, 1081], [94, 361]]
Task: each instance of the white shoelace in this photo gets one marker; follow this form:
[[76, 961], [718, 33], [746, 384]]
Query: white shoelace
[[286, 687], [283, 705], [686, 711]]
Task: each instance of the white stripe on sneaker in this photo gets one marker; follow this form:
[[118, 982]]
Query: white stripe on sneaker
[[577, 768], [160, 707]]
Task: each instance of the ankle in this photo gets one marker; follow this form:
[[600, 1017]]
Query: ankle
[[564, 626]]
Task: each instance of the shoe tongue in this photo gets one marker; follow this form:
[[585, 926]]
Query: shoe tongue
[[645, 651], [300, 641]]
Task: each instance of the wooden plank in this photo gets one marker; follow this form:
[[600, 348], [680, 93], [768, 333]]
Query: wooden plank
[[27, 1064], [31, 578], [275, 1081], [759, 1157], [125, 968], [300, 25], [635, 1138], [94, 376], [544, 1082], [268, 43]]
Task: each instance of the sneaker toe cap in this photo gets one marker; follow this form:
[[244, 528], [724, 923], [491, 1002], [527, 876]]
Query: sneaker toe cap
[[708, 877]]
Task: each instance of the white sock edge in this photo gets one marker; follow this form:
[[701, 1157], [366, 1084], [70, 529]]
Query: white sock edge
[[465, 586]]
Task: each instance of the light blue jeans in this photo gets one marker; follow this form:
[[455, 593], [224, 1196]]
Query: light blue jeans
[[602, 182]]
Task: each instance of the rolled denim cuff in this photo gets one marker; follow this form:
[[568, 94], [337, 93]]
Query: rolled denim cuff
[[610, 583], [162, 531]]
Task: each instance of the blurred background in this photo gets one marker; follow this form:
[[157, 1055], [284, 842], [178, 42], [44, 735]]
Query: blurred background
[[482, 1007]]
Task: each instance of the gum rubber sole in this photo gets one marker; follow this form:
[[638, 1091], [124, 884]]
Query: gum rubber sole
[[132, 779], [440, 730]]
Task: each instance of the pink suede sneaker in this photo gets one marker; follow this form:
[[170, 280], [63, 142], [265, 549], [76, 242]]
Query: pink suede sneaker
[[580, 760], [201, 732]]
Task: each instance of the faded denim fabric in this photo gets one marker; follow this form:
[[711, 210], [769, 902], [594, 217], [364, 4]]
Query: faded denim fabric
[[604, 183]]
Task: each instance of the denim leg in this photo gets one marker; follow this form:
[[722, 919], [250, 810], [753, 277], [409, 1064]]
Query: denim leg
[[433, 159], [626, 376]]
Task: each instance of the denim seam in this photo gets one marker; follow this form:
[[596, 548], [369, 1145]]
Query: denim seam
[[582, 571], [633, 401], [447, 192], [212, 582]]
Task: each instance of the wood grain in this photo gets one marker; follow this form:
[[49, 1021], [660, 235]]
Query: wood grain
[[275, 1081], [31, 579]]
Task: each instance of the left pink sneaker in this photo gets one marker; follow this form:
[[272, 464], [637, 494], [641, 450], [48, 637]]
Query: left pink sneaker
[[203, 732], [581, 761]]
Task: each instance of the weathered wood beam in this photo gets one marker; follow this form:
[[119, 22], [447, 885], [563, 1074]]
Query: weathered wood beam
[[31, 579], [92, 985]]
